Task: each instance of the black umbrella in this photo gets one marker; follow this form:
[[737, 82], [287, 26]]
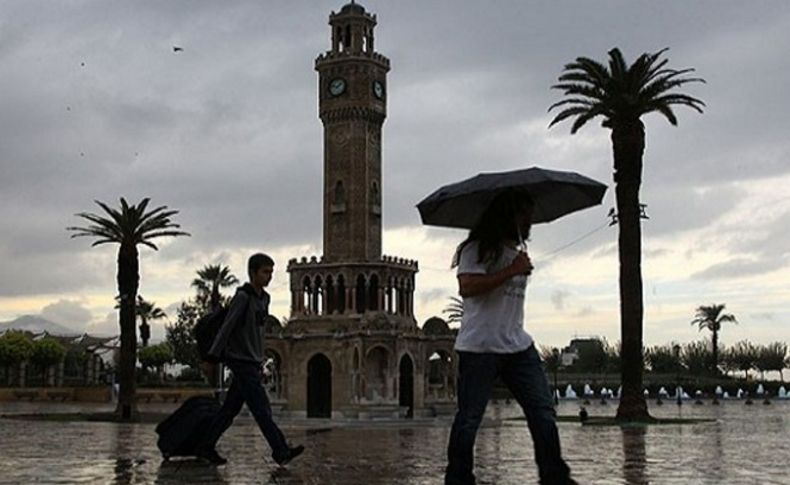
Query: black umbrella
[[554, 193]]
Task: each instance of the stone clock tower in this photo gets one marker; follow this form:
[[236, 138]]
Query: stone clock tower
[[352, 104], [351, 346]]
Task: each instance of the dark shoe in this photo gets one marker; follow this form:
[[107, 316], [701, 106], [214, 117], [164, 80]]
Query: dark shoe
[[293, 452], [212, 457]]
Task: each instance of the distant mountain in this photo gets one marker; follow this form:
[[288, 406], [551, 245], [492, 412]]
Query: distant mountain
[[36, 324]]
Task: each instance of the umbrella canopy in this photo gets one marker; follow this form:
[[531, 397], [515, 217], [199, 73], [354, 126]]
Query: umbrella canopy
[[555, 194]]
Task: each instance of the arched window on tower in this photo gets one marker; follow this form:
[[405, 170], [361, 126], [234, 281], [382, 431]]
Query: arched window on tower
[[375, 198], [341, 294], [331, 297], [373, 293], [306, 308], [339, 198], [318, 296], [360, 294], [339, 39], [347, 44]]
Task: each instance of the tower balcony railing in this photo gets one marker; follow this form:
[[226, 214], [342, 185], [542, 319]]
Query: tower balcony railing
[[344, 55]]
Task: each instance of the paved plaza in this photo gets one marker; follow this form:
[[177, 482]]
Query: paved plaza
[[744, 445]]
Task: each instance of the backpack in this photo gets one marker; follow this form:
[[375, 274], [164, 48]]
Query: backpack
[[207, 327]]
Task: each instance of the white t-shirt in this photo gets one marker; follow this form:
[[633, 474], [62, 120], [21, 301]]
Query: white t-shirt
[[493, 321]]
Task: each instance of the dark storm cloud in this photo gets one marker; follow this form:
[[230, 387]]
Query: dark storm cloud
[[226, 131]]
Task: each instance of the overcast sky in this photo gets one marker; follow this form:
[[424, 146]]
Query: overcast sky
[[95, 104]]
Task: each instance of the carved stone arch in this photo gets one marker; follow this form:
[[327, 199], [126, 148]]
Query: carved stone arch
[[377, 372], [406, 371], [319, 386]]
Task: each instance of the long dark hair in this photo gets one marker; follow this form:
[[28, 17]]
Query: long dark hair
[[496, 225]]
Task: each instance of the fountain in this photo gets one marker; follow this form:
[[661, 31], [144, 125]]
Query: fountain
[[570, 393], [588, 393], [719, 391], [646, 393], [698, 397], [663, 392], [782, 393], [760, 390], [739, 394], [726, 395]]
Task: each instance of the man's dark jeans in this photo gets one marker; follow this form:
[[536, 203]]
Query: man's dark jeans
[[523, 374], [246, 388]]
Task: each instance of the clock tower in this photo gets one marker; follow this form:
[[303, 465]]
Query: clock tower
[[352, 346], [352, 95]]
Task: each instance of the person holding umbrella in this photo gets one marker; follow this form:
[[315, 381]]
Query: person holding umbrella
[[492, 269]]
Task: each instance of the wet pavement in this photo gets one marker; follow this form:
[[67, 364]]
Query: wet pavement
[[744, 445]]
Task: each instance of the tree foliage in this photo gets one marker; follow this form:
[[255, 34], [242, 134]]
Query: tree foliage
[[743, 356], [15, 348], [771, 357], [180, 336]]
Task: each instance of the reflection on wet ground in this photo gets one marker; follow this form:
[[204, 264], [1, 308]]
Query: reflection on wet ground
[[744, 445]]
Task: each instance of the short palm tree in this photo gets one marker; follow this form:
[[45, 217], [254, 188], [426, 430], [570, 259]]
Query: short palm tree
[[147, 311], [621, 94], [128, 227], [454, 310], [711, 318], [209, 281]]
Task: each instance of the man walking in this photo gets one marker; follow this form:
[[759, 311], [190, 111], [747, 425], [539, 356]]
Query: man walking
[[239, 344]]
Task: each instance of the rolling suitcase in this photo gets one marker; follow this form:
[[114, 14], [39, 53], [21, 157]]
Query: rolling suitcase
[[181, 431]]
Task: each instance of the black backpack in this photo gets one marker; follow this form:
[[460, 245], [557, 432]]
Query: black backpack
[[207, 328]]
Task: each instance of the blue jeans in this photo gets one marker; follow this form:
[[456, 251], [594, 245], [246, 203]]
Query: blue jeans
[[523, 374], [246, 388]]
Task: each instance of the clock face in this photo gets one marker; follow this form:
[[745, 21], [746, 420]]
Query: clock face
[[378, 89], [337, 86]]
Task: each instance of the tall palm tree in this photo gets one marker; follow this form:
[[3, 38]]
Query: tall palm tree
[[147, 311], [711, 318], [128, 227], [209, 281], [621, 94]]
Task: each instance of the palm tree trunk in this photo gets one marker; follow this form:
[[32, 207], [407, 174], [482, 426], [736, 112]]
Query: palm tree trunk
[[128, 280], [628, 141], [214, 296], [715, 341]]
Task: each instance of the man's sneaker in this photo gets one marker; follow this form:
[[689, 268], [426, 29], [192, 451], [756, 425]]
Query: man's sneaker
[[293, 452], [212, 457]]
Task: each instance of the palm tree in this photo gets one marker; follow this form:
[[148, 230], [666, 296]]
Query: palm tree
[[621, 94], [209, 281], [454, 310], [147, 311], [711, 318], [128, 227]]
